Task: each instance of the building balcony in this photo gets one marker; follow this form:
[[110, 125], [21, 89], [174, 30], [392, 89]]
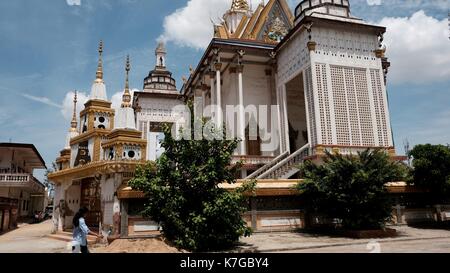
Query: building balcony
[[21, 180]]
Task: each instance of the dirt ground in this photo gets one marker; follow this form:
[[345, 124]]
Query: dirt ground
[[151, 245], [30, 238]]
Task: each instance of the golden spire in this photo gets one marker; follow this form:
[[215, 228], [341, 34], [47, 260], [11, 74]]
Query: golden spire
[[126, 99], [99, 75], [239, 5], [73, 123]]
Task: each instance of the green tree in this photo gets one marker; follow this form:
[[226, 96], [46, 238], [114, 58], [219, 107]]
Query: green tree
[[352, 188], [184, 194], [431, 168]]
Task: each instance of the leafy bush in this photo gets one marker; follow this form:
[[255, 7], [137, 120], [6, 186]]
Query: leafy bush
[[352, 188], [432, 168], [185, 198]]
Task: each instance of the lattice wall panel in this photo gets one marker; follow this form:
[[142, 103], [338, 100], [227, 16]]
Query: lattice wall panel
[[380, 109], [341, 111], [311, 107], [364, 109], [324, 104]]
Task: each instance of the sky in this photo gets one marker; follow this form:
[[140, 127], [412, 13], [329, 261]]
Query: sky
[[48, 49]]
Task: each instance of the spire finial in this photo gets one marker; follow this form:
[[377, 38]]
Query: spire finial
[[126, 98], [99, 76], [73, 123]]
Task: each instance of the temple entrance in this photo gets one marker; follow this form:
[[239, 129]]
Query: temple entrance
[[90, 198], [296, 109], [253, 142]]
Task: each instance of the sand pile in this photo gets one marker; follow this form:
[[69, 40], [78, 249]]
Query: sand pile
[[151, 245]]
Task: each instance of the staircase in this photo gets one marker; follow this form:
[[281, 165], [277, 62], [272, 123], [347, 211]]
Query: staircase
[[269, 165], [282, 167]]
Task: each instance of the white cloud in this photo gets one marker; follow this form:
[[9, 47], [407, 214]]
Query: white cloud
[[418, 48], [43, 100], [67, 105], [373, 2], [73, 2], [191, 25]]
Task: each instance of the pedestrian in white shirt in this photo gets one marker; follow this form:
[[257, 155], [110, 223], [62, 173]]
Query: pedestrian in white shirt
[[81, 230]]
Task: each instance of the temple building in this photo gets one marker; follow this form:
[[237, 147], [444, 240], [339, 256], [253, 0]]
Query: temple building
[[290, 85], [324, 72], [100, 155]]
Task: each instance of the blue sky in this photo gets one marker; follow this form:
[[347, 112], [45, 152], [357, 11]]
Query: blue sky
[[48, 48]]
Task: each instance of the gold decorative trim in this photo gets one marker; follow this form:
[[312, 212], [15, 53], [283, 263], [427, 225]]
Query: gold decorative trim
[[311, 46], [379, 53], [218, 66]]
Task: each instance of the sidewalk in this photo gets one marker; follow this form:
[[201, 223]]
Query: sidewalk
[[296, 241]]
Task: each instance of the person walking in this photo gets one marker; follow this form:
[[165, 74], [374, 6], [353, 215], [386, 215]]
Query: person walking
[[80, 231]]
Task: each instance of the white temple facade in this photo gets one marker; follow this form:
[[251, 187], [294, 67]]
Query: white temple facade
[[320, 74]]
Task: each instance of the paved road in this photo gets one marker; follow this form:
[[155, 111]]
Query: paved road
[[30, 238], [415, 246], [410, 240]]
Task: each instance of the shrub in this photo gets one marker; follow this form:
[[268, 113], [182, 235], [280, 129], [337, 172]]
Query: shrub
[[352, 188], [431, 168], [185, 198]]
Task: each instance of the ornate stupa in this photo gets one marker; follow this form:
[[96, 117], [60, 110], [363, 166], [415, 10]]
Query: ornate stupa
[[160, 78], [98, 90], [73, 131], [125, 114]]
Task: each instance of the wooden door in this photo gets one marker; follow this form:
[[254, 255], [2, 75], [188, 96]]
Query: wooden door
[[254, 145], [90, 198]]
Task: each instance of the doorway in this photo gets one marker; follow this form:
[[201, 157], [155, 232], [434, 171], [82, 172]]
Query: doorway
[[90, 198], [296, 109], [253, 142]]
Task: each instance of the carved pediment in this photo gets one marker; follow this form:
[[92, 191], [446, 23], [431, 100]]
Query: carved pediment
[[276, 26]]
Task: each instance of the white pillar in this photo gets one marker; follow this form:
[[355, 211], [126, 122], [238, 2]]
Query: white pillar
[[203, 97], [243, 144], [219, 120], [212, 74]]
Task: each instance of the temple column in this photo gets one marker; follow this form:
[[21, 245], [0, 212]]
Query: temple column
[[243, 144], [204, 90], [218, 67], [212, 74]]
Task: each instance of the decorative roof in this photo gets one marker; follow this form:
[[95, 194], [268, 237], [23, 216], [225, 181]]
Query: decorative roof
[[339, 8], [239, 5], [160, 79], [267, 23]]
